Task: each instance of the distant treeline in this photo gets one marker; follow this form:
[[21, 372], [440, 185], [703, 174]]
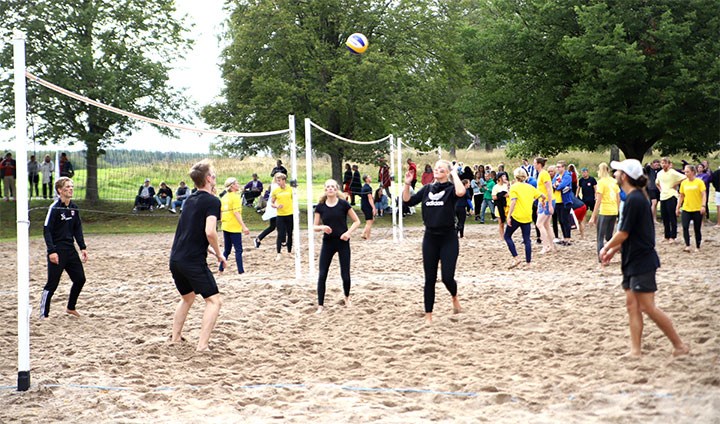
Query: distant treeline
[[122, 158]]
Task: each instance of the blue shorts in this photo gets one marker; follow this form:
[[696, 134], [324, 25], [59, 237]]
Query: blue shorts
[[545, 210]]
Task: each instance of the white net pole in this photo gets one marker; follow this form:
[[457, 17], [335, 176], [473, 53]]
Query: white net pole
[[400, 175], [308, 184], [23, 221], [296, 203], [392, 201]]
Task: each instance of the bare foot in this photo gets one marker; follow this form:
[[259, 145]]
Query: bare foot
[[686, 249], [633, 355], [73, 312], [682, 350], [527, 265], [278, 257], [456, 305], [319, 309], [428, 318], [348, 303], [514, 264], [671, 241], [181, 339], [205, 348]]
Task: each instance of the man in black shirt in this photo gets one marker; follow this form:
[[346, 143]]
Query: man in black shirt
[[587, 185], [279, 168], [61, 230], [196, 231], [636, 239]]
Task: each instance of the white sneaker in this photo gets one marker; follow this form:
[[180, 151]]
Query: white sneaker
[[173, 211], [162, 207]]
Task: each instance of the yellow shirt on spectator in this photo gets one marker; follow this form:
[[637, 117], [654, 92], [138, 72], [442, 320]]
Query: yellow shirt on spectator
[[692, 190], [231, 203], [609, 190], [283, 196]]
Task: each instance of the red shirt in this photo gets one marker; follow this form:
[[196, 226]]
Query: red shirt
[[413, 168]]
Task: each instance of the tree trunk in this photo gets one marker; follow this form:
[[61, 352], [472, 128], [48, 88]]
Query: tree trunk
[[636, 149], [336, 165], [91, 184], [452, 152], [489, 147], [614, 153]]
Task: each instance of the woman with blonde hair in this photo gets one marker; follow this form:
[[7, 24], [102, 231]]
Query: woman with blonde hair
[[607, 203], [233, 226], [522, 196], [282, 200], [440, 241], [331, 215]]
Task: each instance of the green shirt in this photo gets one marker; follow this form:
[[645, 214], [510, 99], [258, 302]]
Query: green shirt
[[488, 189]]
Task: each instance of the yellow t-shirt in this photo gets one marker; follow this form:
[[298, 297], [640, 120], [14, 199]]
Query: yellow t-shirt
[[524, 194], [284, 197], [667, 181], [544, 177], [609, 190], [231, 203], [692, 190]]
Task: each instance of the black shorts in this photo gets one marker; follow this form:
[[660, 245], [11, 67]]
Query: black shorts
[[368, 214], [653, 194], [641, 283], [193, 278]]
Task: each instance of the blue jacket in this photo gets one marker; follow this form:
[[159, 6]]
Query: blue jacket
[[565, 188]]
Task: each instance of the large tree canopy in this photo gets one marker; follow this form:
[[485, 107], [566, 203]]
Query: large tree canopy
[[288, 57], [113, 52], [633, 73]]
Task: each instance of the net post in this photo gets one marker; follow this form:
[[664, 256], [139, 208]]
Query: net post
[[23, 219], [296, 202], [400, 200], [391, 140], [308, 184]]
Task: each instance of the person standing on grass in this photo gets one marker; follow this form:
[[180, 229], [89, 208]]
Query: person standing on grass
[[61, 230], [331, 216], [440, 242], [668, 180], [196, 233], [636, 239], [233, 226], [48, 169], [33, 170], [367, 205], [692, 205]]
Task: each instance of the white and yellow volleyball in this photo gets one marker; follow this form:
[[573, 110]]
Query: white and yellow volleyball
[[357, 43]]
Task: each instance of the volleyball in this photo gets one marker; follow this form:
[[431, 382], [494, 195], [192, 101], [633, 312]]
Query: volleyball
[[357, 43]]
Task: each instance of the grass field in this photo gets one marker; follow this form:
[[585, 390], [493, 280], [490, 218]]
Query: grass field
[[121, 184]]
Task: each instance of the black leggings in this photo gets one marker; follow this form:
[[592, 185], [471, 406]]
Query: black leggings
[[69, 261], [697, 219], [461, 216], [329, 247], [285, 232], [667, 212], [269, 229], [439, 248], [565, 219]]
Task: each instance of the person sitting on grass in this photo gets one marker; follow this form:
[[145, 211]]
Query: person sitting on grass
[[164, 196], [145, 196]]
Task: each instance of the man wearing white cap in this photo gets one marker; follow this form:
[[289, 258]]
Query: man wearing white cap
[[145, 196], [636, 239]]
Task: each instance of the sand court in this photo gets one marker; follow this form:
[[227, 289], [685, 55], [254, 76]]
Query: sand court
[[537, 345]]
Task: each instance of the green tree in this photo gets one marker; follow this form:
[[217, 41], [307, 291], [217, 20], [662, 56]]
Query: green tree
[[288, 57], [113, 52], [589, 75]]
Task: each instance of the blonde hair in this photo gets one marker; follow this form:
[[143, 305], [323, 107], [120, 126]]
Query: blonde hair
[[230, 181], [340, 194], [520, 174], [603, 170]]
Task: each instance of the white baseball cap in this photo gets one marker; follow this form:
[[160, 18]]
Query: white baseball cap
[[631, 167]]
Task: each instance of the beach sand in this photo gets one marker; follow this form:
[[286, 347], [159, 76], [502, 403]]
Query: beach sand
[[542, 345]]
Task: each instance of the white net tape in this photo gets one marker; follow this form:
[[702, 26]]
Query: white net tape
[[434, 150], [347, 139], [158, 122]]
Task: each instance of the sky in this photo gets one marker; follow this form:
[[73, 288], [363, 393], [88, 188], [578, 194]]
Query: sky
[[198, 75]]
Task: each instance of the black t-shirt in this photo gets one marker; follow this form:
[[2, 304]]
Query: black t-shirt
[[364, 202], [587, 187], [638, 251], [438, 206], [715, 180], [334, 217], [652, 176], [191, 243]]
